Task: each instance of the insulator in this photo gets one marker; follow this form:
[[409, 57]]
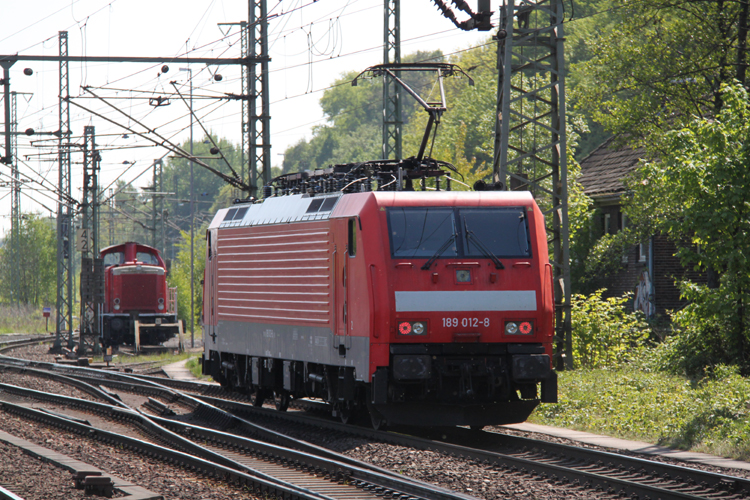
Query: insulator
[[447, 183], [437, 183], [267, 190]]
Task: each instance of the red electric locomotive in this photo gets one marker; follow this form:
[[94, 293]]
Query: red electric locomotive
[[349, 286], [135, 289]]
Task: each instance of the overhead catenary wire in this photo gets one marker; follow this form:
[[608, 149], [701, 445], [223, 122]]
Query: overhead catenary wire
[[207, 118]]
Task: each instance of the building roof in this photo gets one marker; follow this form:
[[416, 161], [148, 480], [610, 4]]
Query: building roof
[[604, 169]]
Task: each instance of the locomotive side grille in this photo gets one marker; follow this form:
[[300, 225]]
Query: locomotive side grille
[[268, 275]]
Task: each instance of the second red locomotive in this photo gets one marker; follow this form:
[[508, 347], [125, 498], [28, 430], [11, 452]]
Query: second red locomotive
[[135, 289]]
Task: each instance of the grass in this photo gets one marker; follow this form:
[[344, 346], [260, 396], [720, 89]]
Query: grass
[[23, 319], [709, 416], [195, 368]]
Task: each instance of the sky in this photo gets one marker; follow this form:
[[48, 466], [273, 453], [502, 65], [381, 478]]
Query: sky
[[311, 44]]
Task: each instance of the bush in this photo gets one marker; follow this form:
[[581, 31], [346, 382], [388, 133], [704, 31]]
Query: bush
[[704, 336], [604, 333]]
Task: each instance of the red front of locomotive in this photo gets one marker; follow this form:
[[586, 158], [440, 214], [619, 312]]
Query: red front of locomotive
[[461, 306], [135, 288], [135, 280]]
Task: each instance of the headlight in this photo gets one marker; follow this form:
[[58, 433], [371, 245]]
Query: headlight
[[117, 307], [519, 328], [412, 328], [161, 307], [404, 328], [161, 300], [117, 301]]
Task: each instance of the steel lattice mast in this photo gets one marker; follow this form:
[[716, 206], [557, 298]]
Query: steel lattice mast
[[259, 132], [248, 156], [64, 323], [392, 122], [92, 286], [15, 204], [530, 147]]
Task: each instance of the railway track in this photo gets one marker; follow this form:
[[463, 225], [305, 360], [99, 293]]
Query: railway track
[[597, 471], [268, 468], [567, 465]]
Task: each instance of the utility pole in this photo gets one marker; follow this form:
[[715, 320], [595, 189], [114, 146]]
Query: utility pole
[[64, 323], [111, 217], [11, 146], [162, 210], [259, 132], [15, 205], [246, 156], [192, 220], [530, 140], [153, 207], [87, 241], [392, 122]]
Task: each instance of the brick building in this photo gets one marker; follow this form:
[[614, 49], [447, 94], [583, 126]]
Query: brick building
[[649, 270]]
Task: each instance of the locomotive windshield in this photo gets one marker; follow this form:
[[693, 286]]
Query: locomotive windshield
[[113, 258], [421, 232], [147, 258], [504, 231]]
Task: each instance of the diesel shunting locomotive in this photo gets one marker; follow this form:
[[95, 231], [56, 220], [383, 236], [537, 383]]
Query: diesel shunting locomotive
[[135, 289]]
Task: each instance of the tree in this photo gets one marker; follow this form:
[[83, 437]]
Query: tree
[[36, 263], [180, 277], [660, 64], [698, 194], [354, 116]]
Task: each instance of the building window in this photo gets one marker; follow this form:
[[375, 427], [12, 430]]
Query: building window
[[624, 258], [606, 223], [642, 252]]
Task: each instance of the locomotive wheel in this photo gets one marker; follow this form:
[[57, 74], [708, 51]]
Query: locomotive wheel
[[378, 421], [259, 397], [282, 400], [347, 412]]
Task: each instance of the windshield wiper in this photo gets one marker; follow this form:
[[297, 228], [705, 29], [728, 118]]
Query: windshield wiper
[[471, 236], [440, 250]]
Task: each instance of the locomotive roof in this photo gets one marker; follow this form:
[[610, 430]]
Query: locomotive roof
[[123, 245], [302, 207]]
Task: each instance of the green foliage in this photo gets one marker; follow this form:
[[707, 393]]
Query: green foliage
[[698, 195], [180, 277], [710, 415], [35, 266], [604, 333], [196, 369], [354, 115], [647, 67]]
